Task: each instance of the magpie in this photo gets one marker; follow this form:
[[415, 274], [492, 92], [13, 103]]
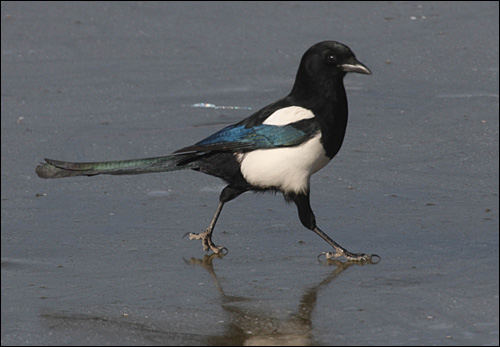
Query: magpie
[[275, 149]]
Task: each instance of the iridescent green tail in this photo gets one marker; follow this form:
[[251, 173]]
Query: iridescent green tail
[[58, 169]]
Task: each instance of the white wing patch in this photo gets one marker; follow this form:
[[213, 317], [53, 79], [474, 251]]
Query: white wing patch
[[288, 115]]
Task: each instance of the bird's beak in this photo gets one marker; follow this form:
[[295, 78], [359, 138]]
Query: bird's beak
[[356, 67]]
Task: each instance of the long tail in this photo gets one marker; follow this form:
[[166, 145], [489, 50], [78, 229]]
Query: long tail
[[58, 169]]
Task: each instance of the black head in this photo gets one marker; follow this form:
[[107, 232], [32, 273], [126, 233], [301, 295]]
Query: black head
[[325, 63], [332, 58]]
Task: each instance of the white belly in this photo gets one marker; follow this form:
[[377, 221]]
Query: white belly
[[287, 169]]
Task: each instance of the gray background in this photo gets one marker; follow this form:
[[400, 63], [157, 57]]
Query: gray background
[[102, 261]]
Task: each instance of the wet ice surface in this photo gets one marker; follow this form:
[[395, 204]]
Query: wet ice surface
[[102, 260]]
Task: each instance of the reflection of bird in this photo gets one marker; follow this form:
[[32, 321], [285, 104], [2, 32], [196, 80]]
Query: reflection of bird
[[251, 324], [276, 149]]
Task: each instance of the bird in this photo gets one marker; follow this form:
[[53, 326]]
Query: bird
[[276, 149]]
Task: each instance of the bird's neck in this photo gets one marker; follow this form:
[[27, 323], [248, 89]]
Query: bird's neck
[[329, 104]]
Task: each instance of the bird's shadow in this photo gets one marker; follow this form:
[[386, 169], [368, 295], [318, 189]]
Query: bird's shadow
[[258, 327]]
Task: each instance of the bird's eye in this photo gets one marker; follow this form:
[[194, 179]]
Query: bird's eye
[[331, 59]]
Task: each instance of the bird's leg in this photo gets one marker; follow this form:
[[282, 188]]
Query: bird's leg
[[341, 251], [227, 194], [206, 237], [308, 219]]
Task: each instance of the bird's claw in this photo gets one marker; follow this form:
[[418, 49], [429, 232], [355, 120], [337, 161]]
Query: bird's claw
[[361, 257], [206, 240]]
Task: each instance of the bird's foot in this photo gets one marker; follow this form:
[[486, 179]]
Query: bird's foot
[[362, 257], [206, 240]]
